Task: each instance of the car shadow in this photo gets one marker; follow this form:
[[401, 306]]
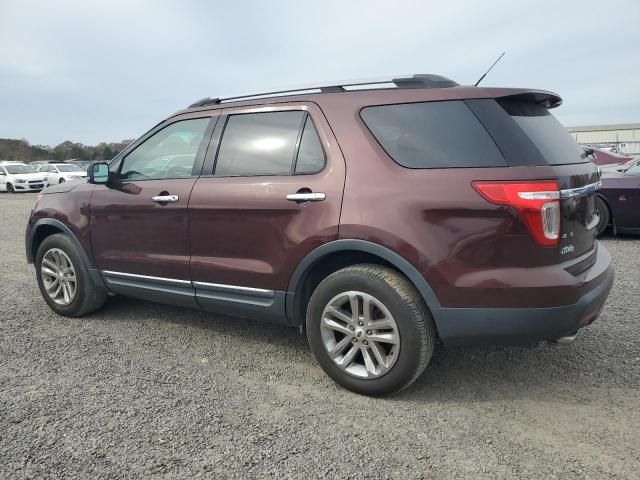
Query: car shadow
[[453, 375]]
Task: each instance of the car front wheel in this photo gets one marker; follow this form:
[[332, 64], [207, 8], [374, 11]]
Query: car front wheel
[[10, 188], [63, 279], [370, 330]]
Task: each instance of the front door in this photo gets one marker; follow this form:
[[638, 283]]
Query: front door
[[273, 196], [139, 221]]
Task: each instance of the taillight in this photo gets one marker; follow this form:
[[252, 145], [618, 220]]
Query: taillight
[[538, 204]]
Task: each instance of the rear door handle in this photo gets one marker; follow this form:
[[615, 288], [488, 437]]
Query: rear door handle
[[306, 197], [165, 198]]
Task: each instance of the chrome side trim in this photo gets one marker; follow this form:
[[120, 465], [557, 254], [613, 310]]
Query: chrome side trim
[[261, 292], [133, 276], [584, 190], [218, 287]]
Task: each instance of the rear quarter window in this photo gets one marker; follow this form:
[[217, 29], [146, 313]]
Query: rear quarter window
[[432, 135]]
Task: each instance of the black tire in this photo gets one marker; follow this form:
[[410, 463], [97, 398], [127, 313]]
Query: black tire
[[10, 188], [88, 297], [61, 180], [603, 211], [415, 326]]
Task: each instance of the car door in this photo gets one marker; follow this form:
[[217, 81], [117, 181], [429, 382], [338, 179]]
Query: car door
[[273, 196], [139, 221], [46, 171], [3, 179], [53, 176], [628, 199]]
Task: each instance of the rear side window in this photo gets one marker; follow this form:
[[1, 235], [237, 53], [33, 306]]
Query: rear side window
[[433, 135], [311, 155], [259, 144]]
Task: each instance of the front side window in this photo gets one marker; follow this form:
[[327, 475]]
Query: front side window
[[169, 153]]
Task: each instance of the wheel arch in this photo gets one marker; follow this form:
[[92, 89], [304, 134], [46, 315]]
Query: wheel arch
[[612, 219], [338, 254], [44, 228]]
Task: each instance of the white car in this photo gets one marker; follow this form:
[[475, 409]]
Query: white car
[[62, 172], [20, 177]]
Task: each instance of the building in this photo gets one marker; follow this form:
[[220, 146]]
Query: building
[[623, 138]]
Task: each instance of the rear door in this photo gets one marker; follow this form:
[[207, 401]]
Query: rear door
[[273, 194], [140, 230]]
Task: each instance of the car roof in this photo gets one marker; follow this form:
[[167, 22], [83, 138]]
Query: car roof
[[399, 89]]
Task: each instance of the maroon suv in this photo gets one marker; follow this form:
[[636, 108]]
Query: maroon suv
[[382, 216]]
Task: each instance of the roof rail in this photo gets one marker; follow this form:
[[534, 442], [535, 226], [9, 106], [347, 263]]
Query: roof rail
[[403, 81]]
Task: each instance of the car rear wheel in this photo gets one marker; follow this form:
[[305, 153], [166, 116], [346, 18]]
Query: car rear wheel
[[64, 281], [602, 210], [61, 180], [370, 330]]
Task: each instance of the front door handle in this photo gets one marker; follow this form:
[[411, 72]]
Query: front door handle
[[165, 198], [306, 197]]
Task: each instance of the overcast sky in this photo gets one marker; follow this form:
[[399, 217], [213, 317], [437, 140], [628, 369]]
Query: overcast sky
[[91, 71]]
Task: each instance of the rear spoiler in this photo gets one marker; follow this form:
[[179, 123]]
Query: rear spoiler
[[541, 97]]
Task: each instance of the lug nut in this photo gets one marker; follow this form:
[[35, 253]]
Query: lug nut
[[369, 332], [352, 328], [354, 340], [365, 342], [360, 323]]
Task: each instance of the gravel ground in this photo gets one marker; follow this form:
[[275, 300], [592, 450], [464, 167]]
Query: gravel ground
[[145, 390]]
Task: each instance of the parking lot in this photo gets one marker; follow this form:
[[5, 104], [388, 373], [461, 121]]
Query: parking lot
[[140, 389]]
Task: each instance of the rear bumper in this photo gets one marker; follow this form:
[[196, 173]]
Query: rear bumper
[[466, 326]]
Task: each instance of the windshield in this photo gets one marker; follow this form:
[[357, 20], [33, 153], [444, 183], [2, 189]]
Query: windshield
[[68, 168], [18, 169], [630, 164]]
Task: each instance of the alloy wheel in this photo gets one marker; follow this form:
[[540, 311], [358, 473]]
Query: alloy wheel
[[58, 276], [360, 335]]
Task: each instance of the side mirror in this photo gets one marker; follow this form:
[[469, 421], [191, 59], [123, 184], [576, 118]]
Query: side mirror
[[99, 173]]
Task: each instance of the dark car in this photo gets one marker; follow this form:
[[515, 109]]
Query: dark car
[[618, 202], [381, 219]]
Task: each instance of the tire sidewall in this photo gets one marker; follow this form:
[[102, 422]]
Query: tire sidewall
[[406, 364], [605, 216], [63, 243]]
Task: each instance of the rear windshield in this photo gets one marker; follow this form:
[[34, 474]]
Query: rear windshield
[[433, 135], [553, 140]]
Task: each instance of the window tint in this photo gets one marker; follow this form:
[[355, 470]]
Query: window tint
[[554, 142], [433, 135], [259, 144], [169, 153], [310, 154]]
